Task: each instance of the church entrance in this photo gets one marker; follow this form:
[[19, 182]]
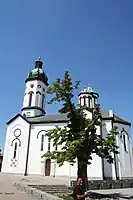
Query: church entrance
[[47, 167]]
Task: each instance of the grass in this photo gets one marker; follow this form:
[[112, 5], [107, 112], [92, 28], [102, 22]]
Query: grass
[[65, 197]]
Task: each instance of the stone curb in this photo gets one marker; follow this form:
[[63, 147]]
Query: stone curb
[[36, 194]]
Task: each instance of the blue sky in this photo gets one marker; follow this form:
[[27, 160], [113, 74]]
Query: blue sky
[[92, 39]]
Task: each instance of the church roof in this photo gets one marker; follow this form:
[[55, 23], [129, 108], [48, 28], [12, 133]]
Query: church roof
[[62, 118], [37, 73], [49, 118], [106, 115], [119, 119]]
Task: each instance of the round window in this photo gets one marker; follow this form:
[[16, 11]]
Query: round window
[[31, 85], [17, 132], [39, 86]]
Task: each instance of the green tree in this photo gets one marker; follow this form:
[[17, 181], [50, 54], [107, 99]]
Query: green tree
[[78, 137]]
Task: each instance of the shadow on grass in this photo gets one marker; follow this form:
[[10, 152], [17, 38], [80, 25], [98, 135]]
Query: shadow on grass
[[93, 195]]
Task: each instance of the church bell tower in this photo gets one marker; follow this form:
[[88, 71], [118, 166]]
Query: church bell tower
[[35, 91]]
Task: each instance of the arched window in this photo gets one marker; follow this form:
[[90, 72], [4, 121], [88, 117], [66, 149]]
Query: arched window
[[17, 140], [48, 144], [30, 98], [38, 97], [42, 142], [84, 100], [96, 101], [124, 136], [89, 99], [43, 96], [80, 100], [124, 141], [15, 150], [90, 102]]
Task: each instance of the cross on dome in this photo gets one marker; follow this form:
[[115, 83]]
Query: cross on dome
[[39, 58], [87, 89]]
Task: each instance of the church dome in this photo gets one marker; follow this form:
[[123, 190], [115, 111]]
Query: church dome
[[38, 73], [88, 90]]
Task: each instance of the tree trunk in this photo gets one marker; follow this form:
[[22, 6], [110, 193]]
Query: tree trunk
[[82, 162], [82, 172]]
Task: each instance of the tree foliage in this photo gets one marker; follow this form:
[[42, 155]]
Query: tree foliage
[[78, 139]]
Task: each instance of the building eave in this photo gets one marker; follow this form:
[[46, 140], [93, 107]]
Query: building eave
[[120, 122], [49, 122], [36, 78], [91, 93], [15, 117], [33, 107], [117, 121]]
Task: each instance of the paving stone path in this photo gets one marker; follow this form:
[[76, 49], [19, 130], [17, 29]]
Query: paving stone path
[[9, 192]]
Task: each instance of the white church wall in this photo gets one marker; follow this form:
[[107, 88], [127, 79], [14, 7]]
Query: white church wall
[[94, 171], [63, 170], [17, 164], [109, 169], [125, 156], [37, 165]]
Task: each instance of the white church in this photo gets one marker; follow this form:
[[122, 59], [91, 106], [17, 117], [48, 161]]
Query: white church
[[26, 141]]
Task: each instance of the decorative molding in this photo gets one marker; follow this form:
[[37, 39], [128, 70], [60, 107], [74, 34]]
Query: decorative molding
[[13, 163], [33, 107], [40, 132], [14, 140], [38, 92], [123, 131], [82, 97], [31, 92], [49, 122], [37, 78], [116, 121], [17, 132], [91, 93]]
